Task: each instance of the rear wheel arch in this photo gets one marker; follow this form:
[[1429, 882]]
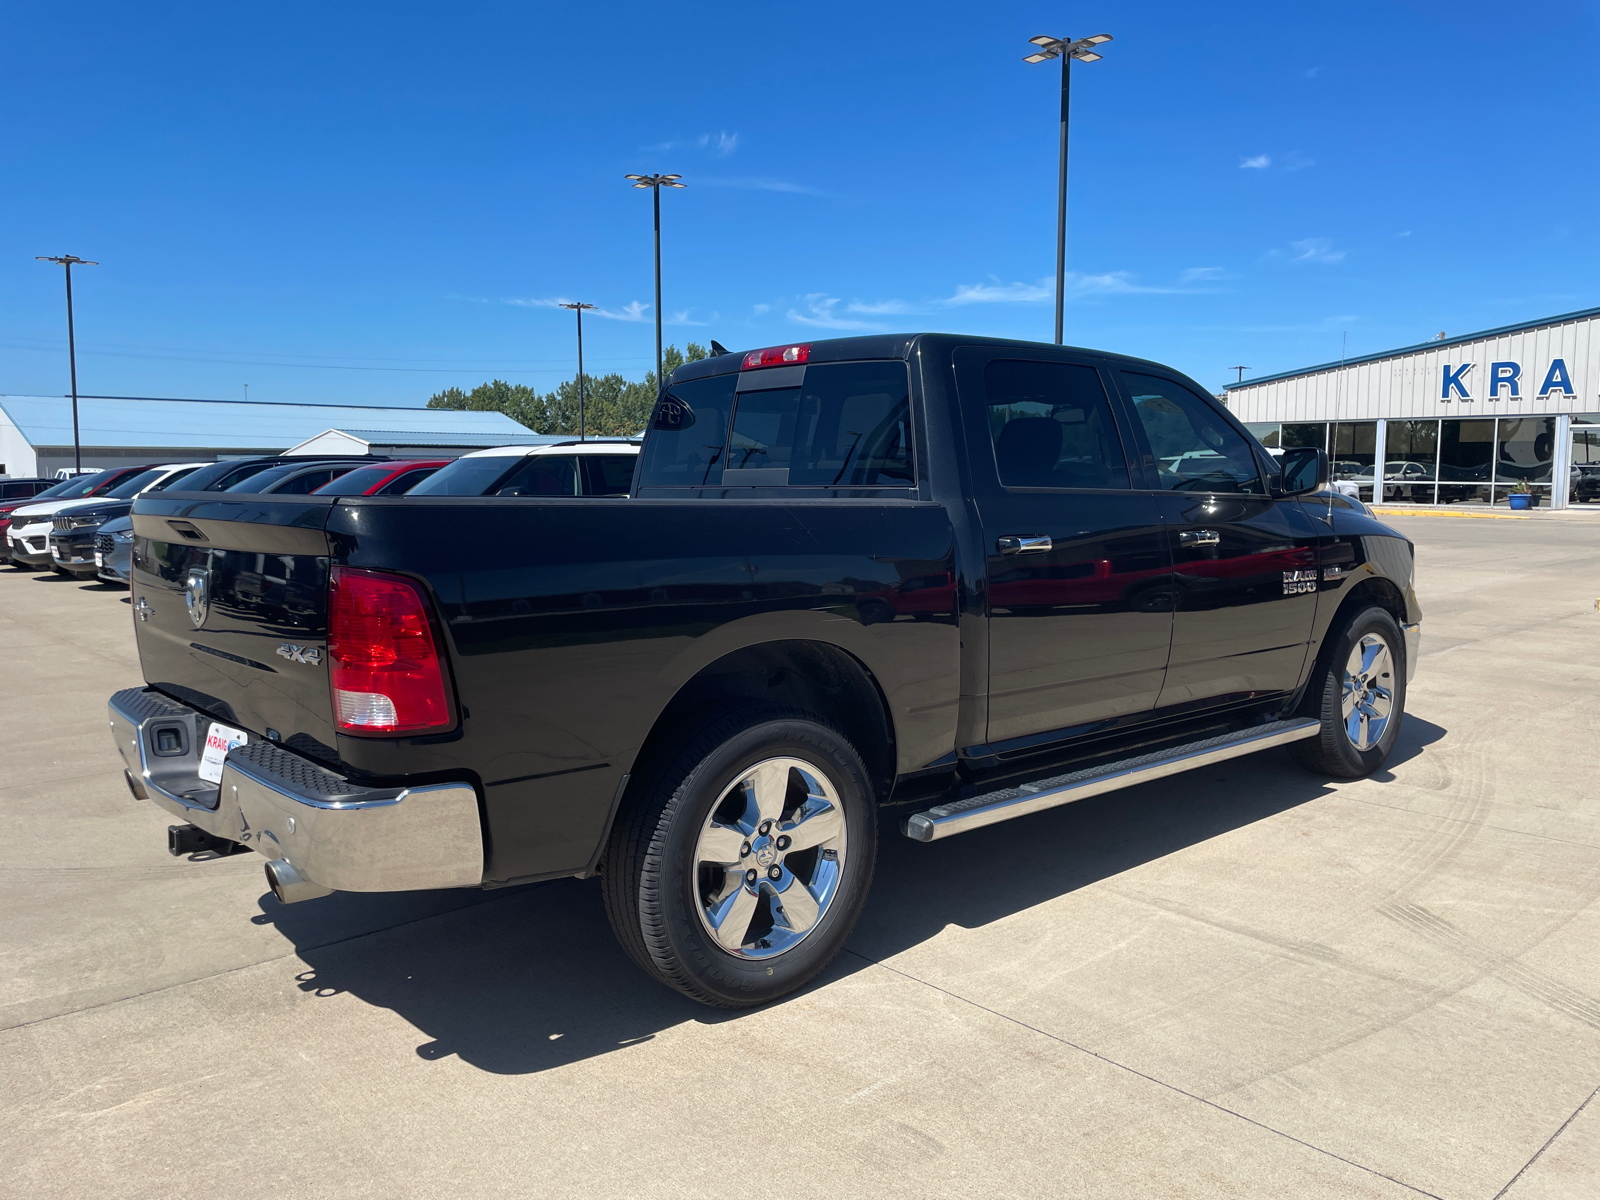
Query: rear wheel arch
[[813, 676]]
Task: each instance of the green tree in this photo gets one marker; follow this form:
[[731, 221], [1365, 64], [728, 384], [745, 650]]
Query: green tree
[[612, 406]]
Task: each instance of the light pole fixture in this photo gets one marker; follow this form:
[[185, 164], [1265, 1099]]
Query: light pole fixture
[[1066, 50], [1241, 371], [69, 261], [655, 183], [578, 306]]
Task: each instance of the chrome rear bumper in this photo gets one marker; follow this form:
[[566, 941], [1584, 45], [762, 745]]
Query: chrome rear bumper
[[337, 834]]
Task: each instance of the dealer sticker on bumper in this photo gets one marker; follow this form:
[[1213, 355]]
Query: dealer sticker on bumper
[[99, 558], [219, 741]]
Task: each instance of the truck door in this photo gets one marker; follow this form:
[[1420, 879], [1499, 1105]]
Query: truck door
[[1245, 563], [1079, 576]]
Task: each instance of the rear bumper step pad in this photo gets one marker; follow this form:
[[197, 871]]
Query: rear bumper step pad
[[989, 808]]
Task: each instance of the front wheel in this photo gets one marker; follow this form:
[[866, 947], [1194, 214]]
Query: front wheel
[[738, 876], [1359, 694]]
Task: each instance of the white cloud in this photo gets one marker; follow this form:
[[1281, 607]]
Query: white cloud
[[720, 144], [880, 308], [762, 310], [1257, 162], [759, 184], [1295, 161], [822, 313], [1318, 250], [1200, 274], [1313, 72], [683, 318], [1404, 233], [633, 311], [1004, 293], [1109, 283]]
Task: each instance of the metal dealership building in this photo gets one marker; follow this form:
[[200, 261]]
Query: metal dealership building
[[1458, 420]]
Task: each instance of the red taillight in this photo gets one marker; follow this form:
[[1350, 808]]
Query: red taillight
[[383, 664], [776, 356]]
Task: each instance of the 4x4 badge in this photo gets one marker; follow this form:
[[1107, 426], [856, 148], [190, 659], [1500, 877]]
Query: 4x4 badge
[[309, 655]]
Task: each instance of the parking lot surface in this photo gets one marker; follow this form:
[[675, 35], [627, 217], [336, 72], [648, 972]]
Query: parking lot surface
[[1245, 981]]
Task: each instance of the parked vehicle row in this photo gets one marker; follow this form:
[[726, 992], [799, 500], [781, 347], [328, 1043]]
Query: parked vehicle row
[[81, 526]]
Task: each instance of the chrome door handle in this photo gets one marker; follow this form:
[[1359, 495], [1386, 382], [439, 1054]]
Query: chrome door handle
[[1023, 545], [1199, 537]]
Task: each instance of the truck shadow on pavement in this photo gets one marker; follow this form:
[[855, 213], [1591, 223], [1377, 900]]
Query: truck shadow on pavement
[[530, 978]]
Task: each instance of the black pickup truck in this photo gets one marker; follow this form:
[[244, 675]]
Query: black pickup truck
[[959, 579]]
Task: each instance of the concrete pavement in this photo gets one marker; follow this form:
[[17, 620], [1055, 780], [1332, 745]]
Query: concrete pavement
[[1242, 982]]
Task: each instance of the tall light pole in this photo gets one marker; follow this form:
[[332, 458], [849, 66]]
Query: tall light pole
[[1066, 50], [578, 306], [1241, 371], [69, 261], [655, 183]]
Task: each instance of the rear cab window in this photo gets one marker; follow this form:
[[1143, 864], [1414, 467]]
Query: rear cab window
[[840, 425]]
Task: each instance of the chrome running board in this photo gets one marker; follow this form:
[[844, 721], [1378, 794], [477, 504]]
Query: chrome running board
[[947, 820]]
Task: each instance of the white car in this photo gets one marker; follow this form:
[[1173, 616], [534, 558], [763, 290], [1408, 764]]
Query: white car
[[28, 536], [587, 468]]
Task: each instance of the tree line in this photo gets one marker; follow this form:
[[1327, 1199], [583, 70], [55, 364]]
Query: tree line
[[612, 406]]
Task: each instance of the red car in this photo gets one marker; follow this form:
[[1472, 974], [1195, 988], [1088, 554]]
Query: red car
[[382, 479]]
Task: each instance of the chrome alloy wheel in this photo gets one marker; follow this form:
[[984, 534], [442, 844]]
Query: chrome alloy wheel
[[769, 858], [1367, 698]]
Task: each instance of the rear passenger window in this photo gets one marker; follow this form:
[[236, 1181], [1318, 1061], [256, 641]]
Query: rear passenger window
[[688, 434], [1196, 450], [542, 475], [847, 425], [1052, 427]]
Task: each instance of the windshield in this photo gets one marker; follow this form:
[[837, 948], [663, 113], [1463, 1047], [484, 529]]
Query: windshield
[[62, 489], [170, 480], [467, 476], [129, 488], [356, 482], [72, 488]]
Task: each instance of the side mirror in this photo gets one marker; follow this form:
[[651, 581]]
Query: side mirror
[[1303, 469]]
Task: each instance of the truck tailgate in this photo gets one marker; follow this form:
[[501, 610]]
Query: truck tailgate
[[230, 599]]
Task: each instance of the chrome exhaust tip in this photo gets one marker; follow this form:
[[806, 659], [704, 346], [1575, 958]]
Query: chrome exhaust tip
[[289, 886]]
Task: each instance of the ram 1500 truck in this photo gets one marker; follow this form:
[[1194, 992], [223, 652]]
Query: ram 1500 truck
[[956, 578]]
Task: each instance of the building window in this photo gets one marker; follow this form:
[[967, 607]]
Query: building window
[[1353, 453], [1311, 434], [1411, 461]]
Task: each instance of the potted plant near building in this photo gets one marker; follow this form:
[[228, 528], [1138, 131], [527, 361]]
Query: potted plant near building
[[1521, 496]]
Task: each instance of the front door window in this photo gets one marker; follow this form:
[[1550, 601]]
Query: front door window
[[1195, 449]]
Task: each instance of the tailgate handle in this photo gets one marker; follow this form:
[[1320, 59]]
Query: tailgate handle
[[1023, 545], [186, 530], [1199, 537]]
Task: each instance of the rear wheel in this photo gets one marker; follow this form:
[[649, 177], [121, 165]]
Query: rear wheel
[[740, 874], [1359, 695]]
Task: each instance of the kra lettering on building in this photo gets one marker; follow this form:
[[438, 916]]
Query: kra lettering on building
[[1502, 381]]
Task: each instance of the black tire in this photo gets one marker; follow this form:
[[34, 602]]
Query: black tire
[[652, 881], [1333, 751]]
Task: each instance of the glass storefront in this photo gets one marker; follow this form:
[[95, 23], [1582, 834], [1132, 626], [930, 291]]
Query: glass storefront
[[1444, 461], [1583, 481]]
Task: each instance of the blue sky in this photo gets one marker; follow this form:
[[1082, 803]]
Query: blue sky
[[366, 204]]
